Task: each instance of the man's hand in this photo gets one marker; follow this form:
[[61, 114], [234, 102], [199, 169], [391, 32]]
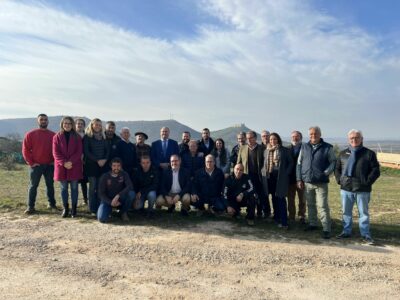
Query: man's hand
[[239, 197], [300, 184], [169, 200], [68, 165], [138, 195], [101, 162], [231, 211], [115, 201], [194, 198], [176, 199]]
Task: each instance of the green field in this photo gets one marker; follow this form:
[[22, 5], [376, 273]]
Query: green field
[[384, 210]]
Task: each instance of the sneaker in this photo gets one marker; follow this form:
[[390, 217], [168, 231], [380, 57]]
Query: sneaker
[[302, 221], [65, 213], [343, 235], [124, 217], [250, 222], [326, 235], [29, 211], [367, 239], [311, 228]]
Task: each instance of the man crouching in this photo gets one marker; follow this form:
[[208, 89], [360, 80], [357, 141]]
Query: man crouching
[[115, 190], [239, 192]]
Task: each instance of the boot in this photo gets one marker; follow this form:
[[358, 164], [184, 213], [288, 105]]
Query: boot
[[65, 211], [73, 211]]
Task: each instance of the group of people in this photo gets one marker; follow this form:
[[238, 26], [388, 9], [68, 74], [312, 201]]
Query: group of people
[[200, 174]]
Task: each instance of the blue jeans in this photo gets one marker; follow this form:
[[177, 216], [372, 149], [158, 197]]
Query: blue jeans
[[151, 197], [74, 192], [105, 208], [348, 200], [93, 200], [217, 203], [34, 176]]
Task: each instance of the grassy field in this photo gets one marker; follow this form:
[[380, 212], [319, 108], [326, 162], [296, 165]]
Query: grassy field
[[384, 209]]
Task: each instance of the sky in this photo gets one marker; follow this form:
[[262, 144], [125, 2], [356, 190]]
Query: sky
[[277, 65]]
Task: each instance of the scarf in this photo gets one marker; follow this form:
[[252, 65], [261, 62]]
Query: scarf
[[273, 157], [351, 162]]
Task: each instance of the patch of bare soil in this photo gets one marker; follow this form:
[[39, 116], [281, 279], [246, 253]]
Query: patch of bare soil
[[47, 258]]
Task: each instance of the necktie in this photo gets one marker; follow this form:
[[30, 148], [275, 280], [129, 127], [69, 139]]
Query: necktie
[[164, 146]]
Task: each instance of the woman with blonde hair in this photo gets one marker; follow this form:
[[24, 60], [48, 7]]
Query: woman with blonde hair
[[67, 152], [96, 153]]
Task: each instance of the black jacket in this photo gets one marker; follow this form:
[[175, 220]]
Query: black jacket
[[234, 186], [365, 173], [183, 178], [206, 186], [145, 182], [203, 148]]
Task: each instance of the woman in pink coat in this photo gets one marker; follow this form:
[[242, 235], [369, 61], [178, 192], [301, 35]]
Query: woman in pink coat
[[67, 152]]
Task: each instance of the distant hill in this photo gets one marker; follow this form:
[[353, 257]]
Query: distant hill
[[18, 127], [229, 135], [151, 128]]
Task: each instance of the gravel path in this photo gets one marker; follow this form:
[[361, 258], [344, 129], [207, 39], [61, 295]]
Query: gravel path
[[48, 258]]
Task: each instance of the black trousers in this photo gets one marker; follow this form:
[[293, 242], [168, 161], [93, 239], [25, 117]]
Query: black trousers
[[249, 202]]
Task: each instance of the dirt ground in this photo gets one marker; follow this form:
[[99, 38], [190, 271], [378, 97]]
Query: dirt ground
[[53, 258]]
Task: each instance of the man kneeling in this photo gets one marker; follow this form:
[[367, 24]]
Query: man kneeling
[[175, 186], [115, 190], [239, 192]]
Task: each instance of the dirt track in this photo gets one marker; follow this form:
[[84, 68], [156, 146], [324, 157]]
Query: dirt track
[[48, 258]]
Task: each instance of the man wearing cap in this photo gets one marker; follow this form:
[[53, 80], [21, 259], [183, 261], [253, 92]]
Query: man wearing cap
[[142, 149]]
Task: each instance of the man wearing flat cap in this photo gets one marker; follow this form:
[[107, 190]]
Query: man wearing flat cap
[[142, 149]]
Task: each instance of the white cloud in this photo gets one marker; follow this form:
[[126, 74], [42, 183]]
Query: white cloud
[[276, 64]]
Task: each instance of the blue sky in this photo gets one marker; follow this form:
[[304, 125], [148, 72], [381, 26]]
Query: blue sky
[[279, 65]]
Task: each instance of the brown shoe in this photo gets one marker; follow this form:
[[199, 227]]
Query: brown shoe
[[124, 217]]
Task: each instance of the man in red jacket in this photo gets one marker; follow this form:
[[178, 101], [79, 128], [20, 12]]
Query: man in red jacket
[[37, 152]]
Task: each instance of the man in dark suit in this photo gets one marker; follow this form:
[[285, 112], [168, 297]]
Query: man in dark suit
[[175, 186], [162, 149]]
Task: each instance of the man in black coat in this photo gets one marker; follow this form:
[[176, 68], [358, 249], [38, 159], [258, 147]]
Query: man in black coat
[[208, 187], [356, 171], [206, 144]]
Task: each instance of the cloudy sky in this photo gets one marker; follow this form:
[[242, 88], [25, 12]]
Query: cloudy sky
[[280, 65]]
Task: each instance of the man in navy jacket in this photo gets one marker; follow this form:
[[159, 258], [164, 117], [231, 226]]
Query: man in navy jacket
[[208, 187]]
